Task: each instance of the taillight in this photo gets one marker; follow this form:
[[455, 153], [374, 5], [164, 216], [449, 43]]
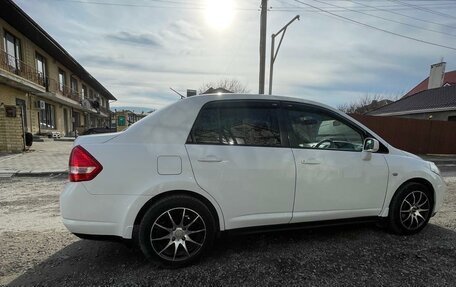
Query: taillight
[[83, 166]]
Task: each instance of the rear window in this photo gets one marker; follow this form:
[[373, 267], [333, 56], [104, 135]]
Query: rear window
[[237, 123]]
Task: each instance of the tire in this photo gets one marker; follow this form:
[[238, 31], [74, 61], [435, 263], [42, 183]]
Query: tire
[[410, 209], [165, 226]]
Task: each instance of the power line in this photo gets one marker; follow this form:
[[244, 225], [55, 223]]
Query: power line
[[423, 9], [376, 28], [191, 7], [386, 19], [400, 5], [307, 10], [403, 15]]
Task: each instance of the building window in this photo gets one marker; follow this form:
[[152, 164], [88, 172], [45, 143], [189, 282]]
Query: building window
[[47, 117], [13, 51], [76, 119], [83, 91], [62, 80], [41, 68], [91, 94], [74, 86]]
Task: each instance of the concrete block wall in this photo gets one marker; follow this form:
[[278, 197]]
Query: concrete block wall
[[11, 131]]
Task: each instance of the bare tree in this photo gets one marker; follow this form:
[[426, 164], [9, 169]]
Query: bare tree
[[367, 103], [232, 85]]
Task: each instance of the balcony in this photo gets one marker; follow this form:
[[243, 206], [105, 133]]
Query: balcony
[[105, 110], [54, 87], [21, 69], [18, 67], [25, 77]]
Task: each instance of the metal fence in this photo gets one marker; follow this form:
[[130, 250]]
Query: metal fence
[[20, 68], [415, 136]]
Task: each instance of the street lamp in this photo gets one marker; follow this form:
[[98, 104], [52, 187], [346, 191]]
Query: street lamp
[[274, 53]]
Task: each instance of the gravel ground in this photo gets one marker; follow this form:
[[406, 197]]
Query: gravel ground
[[37, 250]]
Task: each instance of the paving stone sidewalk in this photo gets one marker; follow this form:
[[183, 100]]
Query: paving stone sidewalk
[[49, 157]]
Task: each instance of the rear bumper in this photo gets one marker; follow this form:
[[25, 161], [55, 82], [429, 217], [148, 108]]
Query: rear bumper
[[91, 214]]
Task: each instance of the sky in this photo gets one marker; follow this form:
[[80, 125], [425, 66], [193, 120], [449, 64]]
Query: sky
[[139, 49]]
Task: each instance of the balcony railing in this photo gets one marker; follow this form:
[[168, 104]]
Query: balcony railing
[[104, 110], [55, 87], [18, 67]]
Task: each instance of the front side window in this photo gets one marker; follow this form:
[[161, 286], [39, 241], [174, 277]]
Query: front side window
[[13, 50], [239, 123], [47, 117], [317, 129], [62, 80]]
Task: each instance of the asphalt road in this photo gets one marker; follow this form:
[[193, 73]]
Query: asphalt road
[[37, 250]]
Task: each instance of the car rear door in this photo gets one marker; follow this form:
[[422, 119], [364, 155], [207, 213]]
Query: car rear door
[[239, 156], [334, 178]]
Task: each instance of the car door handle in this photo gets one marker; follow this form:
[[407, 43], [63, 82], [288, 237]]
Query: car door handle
[[310, 161], [210, 159]]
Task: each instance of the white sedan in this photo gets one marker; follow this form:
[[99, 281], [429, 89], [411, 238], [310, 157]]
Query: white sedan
[[213, 163]]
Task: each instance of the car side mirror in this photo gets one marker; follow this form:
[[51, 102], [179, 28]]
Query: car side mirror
[[371, 145]]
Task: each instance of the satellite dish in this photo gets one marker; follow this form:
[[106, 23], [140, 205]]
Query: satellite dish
[[86, 104]]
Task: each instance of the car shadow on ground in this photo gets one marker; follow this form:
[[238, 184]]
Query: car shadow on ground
[[350, 255]]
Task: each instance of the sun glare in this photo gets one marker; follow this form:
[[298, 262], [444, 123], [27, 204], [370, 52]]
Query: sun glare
[[219, 13]]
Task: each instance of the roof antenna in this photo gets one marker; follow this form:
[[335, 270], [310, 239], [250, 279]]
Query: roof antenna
[[182, 97]]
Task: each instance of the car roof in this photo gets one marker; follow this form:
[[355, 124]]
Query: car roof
[[234, 96]]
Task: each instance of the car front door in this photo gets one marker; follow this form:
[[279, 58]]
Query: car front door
[[334, 178], [238, 155]]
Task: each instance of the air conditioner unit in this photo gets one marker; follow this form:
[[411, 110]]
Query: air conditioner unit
[[40, 105]]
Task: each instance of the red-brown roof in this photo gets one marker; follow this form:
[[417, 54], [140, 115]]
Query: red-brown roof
[[450, 77], [433, 99]]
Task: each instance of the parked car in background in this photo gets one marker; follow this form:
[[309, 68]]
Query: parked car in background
[[93, 131], [213, 163]]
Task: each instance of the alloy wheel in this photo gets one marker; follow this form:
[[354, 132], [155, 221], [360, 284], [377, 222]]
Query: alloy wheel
[[178, 234], [415, 210]]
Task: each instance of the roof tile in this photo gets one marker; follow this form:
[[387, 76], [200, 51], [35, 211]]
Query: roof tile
[[444, 97]]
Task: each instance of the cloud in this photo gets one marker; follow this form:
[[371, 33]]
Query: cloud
[[135, 39], [139, 57], [183, 30]]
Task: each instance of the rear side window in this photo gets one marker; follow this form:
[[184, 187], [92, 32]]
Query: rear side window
[[206, 128], [237, 123]]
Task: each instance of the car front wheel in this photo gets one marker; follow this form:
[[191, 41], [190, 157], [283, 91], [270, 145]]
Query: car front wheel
[[177, 231], [410, 209]]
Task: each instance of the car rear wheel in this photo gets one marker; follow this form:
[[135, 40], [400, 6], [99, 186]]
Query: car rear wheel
[[410, 209], [176, 231]]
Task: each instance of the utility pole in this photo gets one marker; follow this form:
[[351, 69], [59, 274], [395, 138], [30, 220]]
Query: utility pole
[[274, 53], [263, 21]]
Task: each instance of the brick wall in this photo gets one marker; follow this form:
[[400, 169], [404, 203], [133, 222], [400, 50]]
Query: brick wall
[[11, 132]]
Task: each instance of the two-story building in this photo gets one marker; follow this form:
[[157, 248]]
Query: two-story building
[[36, 73]]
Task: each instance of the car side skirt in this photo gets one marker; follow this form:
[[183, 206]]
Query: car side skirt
[[303, 225]]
